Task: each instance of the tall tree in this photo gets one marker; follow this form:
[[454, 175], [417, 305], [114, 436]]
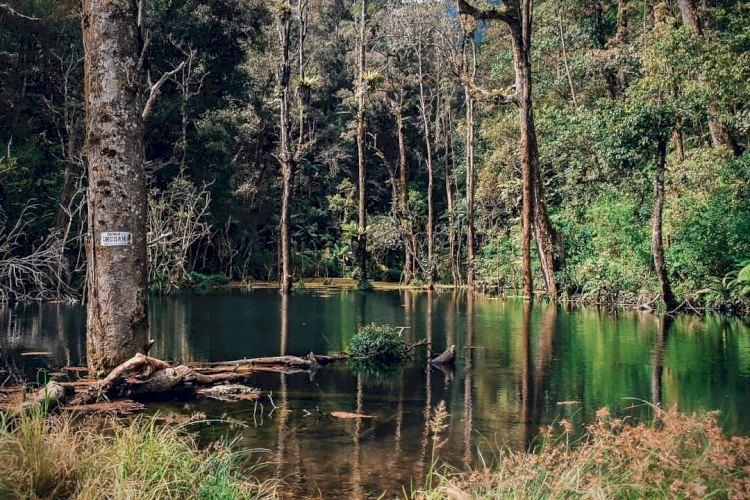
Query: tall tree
[[361, 159], [469, 66], [117, 308], [283, 15], [517, 15]]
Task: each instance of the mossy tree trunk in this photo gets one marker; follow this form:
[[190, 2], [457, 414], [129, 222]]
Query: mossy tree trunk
[[117, 308]]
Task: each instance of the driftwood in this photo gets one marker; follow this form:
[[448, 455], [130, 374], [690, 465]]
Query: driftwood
[[447, 357], [145, 377], [309, 361]]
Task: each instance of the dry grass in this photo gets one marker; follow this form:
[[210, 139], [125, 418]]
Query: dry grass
[[680, 456], [59, 458]]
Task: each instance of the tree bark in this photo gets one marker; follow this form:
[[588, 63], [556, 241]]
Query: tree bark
[[117, 308], [657, 244], [361, 160]]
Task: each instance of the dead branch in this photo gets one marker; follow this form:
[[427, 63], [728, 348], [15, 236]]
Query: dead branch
[[154, 89], [38, 275], [16, 13]]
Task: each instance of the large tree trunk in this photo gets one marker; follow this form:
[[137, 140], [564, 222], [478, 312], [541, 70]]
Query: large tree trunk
[[657, 244], [283, 26], [361, 160], [720, 135], [117, 309]]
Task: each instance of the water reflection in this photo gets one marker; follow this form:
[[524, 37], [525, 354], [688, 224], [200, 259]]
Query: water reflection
[[515, 363]]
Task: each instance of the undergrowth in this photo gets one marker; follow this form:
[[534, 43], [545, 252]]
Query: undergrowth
[[680, 456], [58, 458]]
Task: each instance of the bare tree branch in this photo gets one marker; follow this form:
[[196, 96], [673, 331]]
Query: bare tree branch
[[16, 13], [154, 90]]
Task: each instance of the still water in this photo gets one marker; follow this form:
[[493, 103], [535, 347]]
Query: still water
[[518, 368]]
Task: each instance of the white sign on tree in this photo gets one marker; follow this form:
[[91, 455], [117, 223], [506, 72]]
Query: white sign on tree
[[116, 239]]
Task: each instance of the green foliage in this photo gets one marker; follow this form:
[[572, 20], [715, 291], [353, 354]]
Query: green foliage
[[364, 286], [739, 280], [381, 343], [608, 249], [208, 281]]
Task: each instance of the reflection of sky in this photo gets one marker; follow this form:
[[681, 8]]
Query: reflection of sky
[[522, 367]]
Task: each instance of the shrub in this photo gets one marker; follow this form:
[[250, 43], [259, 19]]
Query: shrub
[[379, 342], [680, 456]]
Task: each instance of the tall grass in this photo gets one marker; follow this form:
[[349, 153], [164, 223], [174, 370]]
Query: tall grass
[[680, 456], [57, 458]]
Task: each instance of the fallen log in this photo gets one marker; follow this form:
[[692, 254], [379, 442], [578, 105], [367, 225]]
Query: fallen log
[[47, 398], [142, 376], [447, 357]]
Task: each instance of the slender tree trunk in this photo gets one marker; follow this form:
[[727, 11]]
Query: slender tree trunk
[[469, 189], [430, 175], [361, 160], [565, 62], [406, 219], [283, 72], [117, 308], [657, 244], [450, 198], [469, 100]]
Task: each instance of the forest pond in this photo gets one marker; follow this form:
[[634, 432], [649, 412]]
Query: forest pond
[[518, 368]]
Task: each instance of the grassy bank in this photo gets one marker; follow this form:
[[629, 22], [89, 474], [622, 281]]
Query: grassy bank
[[59, 458], [679, 456]]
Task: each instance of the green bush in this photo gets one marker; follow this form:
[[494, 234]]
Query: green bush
[[379, 342], [198, 280]]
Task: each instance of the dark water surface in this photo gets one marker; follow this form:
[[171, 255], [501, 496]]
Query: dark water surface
[[515, 365]]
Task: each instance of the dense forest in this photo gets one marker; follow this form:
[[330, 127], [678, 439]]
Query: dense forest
[[594, 150]]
